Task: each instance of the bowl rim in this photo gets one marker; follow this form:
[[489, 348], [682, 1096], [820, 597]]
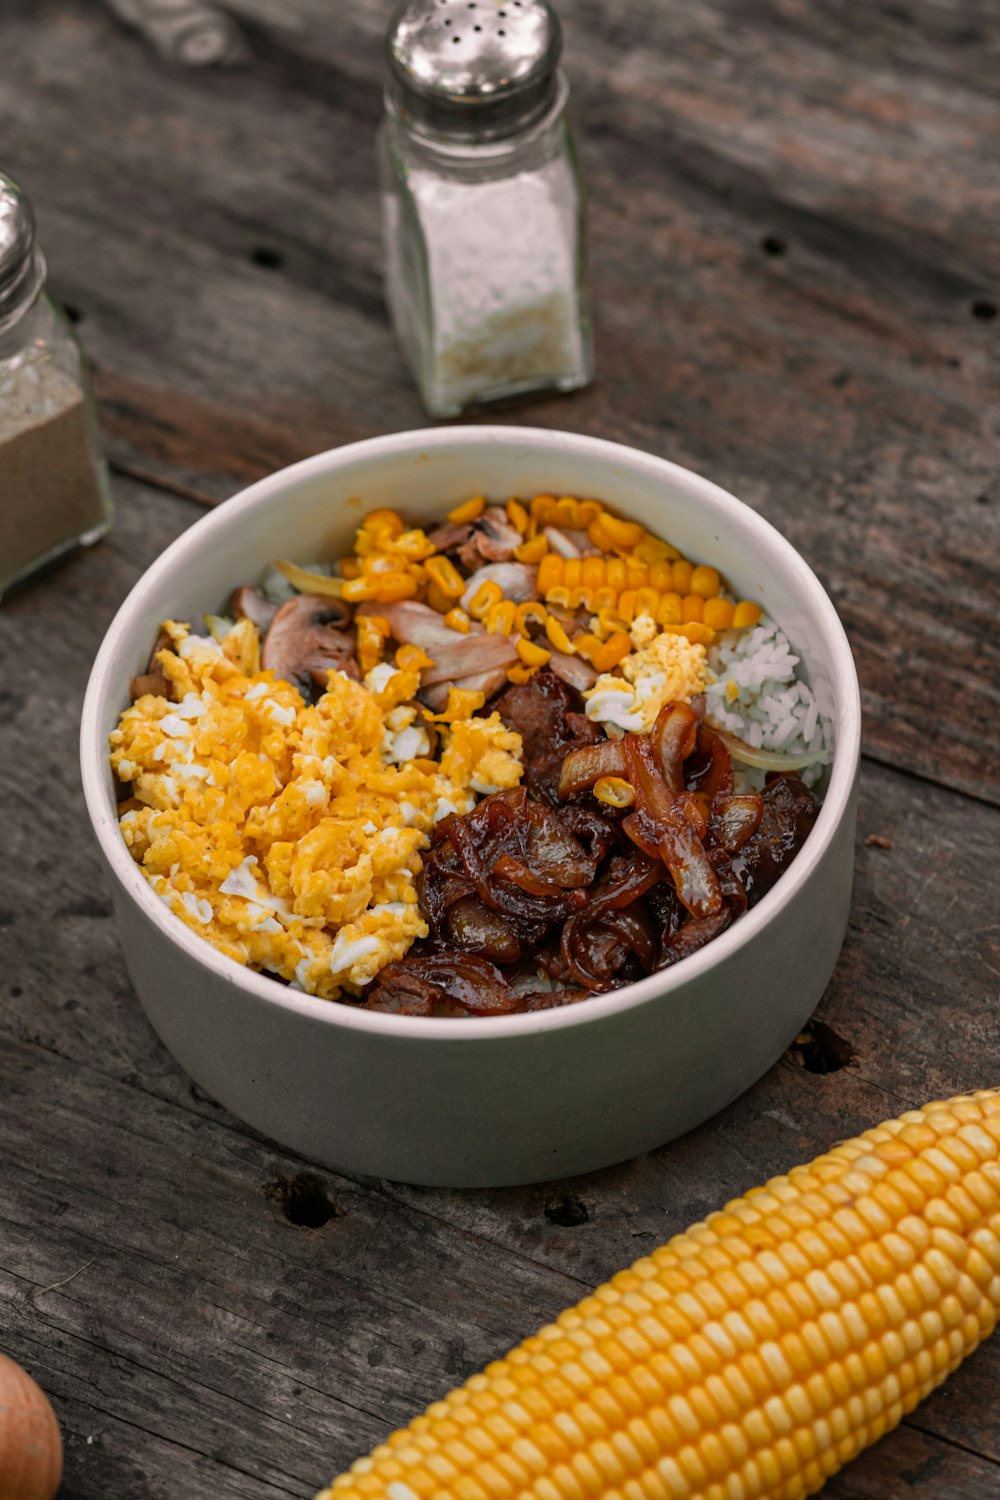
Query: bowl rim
[[657, 986]]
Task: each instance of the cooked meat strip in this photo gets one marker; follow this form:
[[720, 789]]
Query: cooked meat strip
[[543, 712], [787, 816]]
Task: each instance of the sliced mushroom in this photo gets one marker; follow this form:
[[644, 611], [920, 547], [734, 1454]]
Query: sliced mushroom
[[450, 536], [153, 680], [493, 539], [246, 604], [303, 643]]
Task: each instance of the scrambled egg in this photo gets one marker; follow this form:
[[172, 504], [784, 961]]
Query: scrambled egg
[[663, 668], [290, 836]]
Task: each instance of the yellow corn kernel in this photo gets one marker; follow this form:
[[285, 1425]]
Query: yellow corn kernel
[[669, 610], [636, 575], [719, 613], [692, 608], [661, 576], [558, 638], [543, 509], [531, 654], [588, 512], [489, 592], [567, 513], [350, 567], [518, 516], [533, 550], [626, 605], [520, 674], [461, 705], [385, 588], [612, 533], [356, 590], [469, 511], [457, 619], [681, 571], [746, 614], [738, 1358], [531, 611], [608, 622], [550, 572], [437, 600], [615, 791], [611, 651], [442, 571], [652, 550], [647, 601], [499, 618], [695, 631], [706, 582], [411, 545], [413, 659], [615, 572], [605, 597], [385, 521], [583, 597], [572, 571], [587, 644], [593, 571], [558, 595]]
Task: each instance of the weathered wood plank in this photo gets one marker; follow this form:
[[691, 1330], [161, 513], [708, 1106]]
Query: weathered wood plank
[[93, 1109], [205, 1340], [787, 261]]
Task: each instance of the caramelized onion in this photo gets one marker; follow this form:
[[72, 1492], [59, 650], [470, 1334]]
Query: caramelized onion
[[674, 735], [768, 760], [583, 767]]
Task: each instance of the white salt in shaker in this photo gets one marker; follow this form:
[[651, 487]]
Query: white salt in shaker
[[54, 491], [482, 203]]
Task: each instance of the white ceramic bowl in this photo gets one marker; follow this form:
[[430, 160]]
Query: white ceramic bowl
[[484, 1102]]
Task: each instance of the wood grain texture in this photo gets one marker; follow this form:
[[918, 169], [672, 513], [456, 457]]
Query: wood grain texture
[[794, 257], [794, 262], [209, 1343]]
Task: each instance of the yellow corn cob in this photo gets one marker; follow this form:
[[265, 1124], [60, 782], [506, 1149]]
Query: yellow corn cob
[[750, 1357], [672, 592]]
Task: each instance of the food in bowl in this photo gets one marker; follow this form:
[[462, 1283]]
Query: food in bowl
[[529, 756]]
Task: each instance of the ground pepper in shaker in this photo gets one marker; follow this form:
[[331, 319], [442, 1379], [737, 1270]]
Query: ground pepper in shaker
[[54, 491], [482, 203]]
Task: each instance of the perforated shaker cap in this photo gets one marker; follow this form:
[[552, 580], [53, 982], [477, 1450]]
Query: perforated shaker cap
[[21, 266], [473, 70]]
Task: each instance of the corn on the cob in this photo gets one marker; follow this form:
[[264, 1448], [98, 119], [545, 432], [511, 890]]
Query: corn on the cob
[[752, 1355]]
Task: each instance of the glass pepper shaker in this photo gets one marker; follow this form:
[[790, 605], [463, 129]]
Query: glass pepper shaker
[[482, 204], [54, 491]]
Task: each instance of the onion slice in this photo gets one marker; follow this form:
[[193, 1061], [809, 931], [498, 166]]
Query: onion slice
[[767, 760], [310, 583]]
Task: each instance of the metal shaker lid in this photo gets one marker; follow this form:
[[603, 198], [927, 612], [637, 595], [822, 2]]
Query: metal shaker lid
[[473, 70], [21, 266]]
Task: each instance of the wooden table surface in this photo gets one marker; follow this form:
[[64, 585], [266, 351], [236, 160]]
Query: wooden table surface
[[796, 274]]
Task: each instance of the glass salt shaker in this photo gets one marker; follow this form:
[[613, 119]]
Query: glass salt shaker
[[482, 204], [54, 492]]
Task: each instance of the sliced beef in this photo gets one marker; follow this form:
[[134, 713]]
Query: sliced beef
[[788, 814], [544, 713]]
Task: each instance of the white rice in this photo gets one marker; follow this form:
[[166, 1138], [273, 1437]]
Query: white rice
[[757, 696]]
